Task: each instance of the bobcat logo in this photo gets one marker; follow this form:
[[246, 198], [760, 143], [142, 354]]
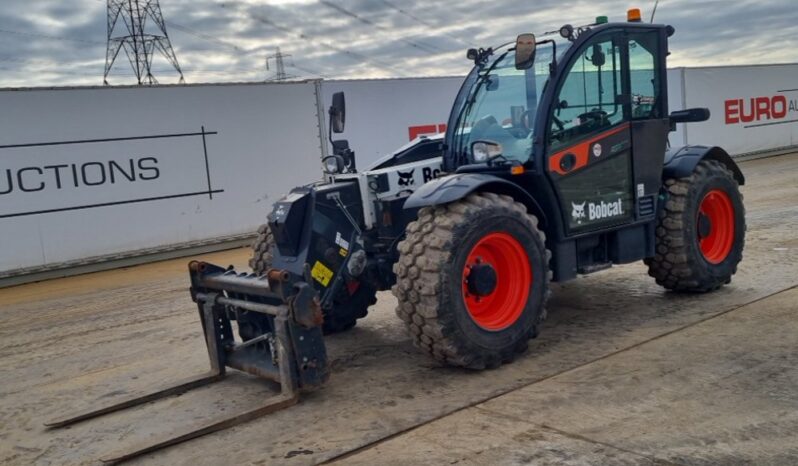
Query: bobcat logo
[[406, 178], [578, 211]]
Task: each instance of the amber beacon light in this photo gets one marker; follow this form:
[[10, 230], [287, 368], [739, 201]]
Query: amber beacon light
[[634, 15]]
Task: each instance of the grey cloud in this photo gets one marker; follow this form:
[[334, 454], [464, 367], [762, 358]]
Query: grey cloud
[[229, 40]]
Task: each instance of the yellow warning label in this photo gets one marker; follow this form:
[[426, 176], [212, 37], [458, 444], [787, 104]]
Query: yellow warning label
[[343, 252], [321, 273]]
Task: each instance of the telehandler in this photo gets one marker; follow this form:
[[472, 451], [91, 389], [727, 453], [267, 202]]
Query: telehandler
[[555, 163]]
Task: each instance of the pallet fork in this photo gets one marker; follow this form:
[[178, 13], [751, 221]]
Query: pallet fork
[[279, 318]]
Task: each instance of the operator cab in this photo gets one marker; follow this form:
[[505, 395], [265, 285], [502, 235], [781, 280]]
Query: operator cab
[[575, 122], [570, 111]]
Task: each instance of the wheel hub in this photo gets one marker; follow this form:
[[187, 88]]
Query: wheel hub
[[704, 225], [715, 226], [497, 277], [481, 279]]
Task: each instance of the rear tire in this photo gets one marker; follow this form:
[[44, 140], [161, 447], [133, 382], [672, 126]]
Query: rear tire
[[347, 308], [476, 327], [700, 231]]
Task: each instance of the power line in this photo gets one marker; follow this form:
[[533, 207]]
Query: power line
[[306, 70], [425, 23], [304, 37], [45, 36], [49, 71], [208, 38], [239, 50], [417, 45]]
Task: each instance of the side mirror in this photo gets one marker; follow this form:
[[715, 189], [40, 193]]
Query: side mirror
[[525, 46], [338, 113], [691, 115]]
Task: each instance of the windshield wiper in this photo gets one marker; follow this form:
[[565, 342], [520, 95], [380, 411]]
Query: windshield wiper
[[472, 97]]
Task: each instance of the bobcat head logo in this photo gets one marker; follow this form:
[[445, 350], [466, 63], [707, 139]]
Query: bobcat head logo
[[406, 178], [578, 211]]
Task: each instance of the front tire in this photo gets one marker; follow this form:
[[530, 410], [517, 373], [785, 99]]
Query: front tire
[[472, 280], [700, 231]]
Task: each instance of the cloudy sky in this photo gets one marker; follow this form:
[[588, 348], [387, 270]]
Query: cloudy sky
[[62, 42]]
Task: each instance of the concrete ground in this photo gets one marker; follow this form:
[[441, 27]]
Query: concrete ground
[[623, 372]]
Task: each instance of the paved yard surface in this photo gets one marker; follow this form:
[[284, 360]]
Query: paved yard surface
[[623, 372]]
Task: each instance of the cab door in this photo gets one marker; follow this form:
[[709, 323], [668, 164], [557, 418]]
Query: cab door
[[588, 155]]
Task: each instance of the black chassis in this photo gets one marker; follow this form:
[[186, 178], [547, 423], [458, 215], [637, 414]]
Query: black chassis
[[310, 223], [585, 251], [319, 228]]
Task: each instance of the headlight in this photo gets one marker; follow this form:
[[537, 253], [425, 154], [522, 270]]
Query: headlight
[[333, 164], [483, 151]]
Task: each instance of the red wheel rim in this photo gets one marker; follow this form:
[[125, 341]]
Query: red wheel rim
[[505, 304], [718, 210]]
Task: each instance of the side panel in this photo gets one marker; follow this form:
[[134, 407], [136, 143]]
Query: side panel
[[754, 108], [104, 172], [594, 181], [648, 140]]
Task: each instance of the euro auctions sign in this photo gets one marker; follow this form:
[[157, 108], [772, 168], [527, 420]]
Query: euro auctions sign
[[753, 108], [762, 110]]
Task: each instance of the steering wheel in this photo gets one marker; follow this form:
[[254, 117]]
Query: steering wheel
[[482, 126], [595, 115]]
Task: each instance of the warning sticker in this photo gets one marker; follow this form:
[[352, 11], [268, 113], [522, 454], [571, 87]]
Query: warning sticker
[[321, 273]]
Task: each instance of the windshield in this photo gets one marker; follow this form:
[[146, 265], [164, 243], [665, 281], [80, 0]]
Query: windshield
[[499, 103]]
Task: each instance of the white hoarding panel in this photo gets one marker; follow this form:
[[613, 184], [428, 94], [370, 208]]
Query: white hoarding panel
[[102, 171], [754, 108], [97, 172], [384, 114]]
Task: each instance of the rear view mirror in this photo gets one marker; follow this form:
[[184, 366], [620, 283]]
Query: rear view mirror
[[517, 116], [338, 113], [691, 115], [525, 46], [598, 59]]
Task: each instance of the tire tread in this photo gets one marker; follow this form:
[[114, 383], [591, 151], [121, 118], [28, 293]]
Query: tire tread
[[425, 253]]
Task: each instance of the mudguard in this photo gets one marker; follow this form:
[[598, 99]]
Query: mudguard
[[680, 162], [454, 187]]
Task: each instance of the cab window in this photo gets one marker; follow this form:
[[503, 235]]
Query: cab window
[[589, 99], [644, 72]]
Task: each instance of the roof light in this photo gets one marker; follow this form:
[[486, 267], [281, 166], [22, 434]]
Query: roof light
[[602, 20], [634, 15]]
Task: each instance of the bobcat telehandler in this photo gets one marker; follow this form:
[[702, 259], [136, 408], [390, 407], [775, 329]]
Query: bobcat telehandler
[[556, 163]]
